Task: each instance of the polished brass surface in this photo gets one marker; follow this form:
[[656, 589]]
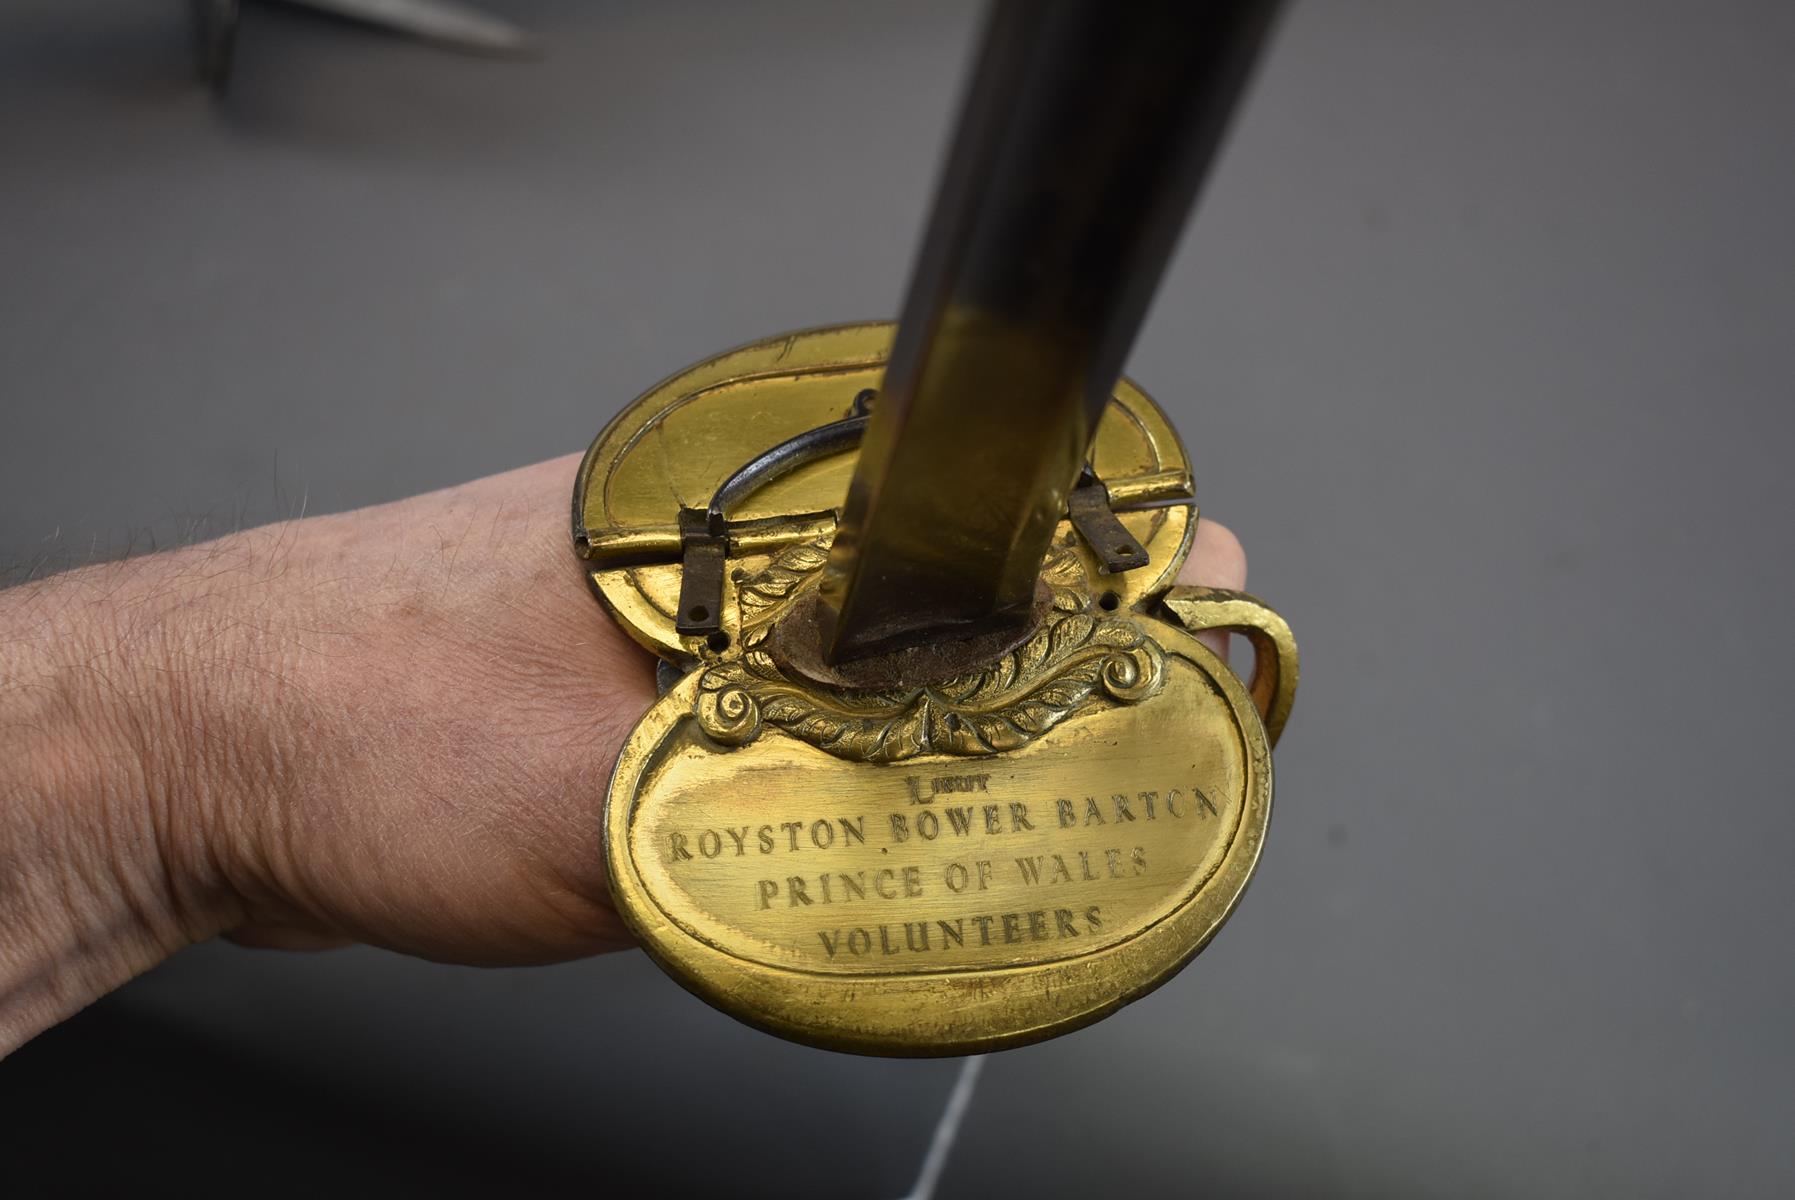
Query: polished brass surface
[[879, 880], [948, 861], [673, 447]]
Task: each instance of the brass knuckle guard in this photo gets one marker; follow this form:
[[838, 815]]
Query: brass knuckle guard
[[970, 863], [1273, 687]]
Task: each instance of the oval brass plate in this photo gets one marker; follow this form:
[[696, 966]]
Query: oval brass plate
[[942, 903], [675, 444]]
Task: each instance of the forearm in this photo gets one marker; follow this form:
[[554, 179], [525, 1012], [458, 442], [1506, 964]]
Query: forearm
[[121, 755], [392, 726]]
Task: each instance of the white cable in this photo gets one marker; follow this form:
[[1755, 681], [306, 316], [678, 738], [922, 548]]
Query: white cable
[[947, 1129]]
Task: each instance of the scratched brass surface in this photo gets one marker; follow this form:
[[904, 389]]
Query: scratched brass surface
[[976, 863], [675, 444]]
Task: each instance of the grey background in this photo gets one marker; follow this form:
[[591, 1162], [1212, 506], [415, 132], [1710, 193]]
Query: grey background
[[1482, 340]]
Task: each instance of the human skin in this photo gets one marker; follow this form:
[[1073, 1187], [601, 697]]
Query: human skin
[[393, 726]]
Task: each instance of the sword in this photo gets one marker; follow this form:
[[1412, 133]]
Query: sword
[[821, 717]]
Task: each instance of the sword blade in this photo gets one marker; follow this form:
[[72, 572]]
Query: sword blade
[[1085, 134]]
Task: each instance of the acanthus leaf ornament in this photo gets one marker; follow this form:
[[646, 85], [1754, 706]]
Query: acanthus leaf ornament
[[1074, 660]]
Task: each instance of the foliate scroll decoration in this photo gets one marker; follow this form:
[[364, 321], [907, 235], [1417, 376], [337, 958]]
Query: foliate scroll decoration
[[1075, 660], [761, 594], [764, 591]]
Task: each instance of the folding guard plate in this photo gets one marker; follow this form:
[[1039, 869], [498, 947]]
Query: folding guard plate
[[934, 866]]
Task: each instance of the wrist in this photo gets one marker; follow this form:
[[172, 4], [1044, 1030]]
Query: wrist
[[118, 790]]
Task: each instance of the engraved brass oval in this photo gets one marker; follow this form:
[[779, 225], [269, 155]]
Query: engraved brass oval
[[944, 903]]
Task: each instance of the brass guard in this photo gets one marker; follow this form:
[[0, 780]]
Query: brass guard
[[846, 867]]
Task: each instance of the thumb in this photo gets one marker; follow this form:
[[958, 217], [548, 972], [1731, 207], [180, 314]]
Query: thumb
[[1216, 559]]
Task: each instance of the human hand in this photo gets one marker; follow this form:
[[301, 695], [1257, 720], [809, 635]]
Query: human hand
[[394, 725]]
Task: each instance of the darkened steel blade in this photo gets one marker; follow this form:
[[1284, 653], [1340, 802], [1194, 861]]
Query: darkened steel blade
[[1085, 134]]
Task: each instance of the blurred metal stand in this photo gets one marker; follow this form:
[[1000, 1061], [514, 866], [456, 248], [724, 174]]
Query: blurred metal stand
[[445, 22]]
